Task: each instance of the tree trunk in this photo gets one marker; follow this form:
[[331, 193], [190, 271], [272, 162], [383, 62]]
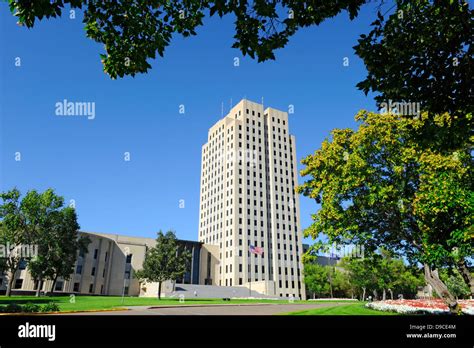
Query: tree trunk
[[54, 284], [11, 278], [466, 275], [384, 295], [159, 290], [40, 285], [432, 278], [391, 293], [363, 294], [375, 295]]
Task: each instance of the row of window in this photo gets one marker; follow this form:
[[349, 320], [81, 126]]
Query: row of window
[[228, 282], [79, 267], [218, 132], [59, 286], [228, 269]]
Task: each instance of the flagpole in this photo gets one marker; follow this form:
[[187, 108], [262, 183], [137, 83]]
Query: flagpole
[[250, 275], [250, 283]]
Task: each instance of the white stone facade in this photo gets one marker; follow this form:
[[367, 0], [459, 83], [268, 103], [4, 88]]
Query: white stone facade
[[247, 197]]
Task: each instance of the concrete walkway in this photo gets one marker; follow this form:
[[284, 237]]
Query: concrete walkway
[[220, 309]]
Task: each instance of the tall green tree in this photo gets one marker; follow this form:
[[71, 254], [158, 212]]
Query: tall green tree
[[316, 279], [21, 219], [167, 260], [69, 244], [3, 255], [380, 188], [385, 271], [58, 246], [362, 274], [405, 280], [381, 273], [340, 283], [10, 240], [39, 220]]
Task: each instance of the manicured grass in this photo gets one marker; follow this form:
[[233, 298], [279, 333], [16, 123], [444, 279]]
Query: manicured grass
[[83, 303], [351, 309]]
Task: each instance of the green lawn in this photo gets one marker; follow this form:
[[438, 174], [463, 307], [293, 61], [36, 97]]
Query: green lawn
[[351, 309], [83, 303]]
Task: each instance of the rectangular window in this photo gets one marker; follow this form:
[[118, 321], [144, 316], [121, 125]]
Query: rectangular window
[[76, 287], [79, 269], [129, 258], [59, 286], [18, 284], [91, 287], [96, 252]]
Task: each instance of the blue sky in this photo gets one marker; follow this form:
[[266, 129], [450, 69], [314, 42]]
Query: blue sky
[[84, 159]]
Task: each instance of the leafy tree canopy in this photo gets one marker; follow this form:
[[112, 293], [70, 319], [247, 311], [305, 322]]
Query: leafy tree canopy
[[316, 279], [378, 271], [380, 188], [383, 273], [417, 51], [167, 260], [133, 31], [455, 283], [422, 55], [39, 219], [58, 247]]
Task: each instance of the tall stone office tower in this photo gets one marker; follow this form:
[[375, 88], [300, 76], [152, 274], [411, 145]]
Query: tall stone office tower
[[247, 198]]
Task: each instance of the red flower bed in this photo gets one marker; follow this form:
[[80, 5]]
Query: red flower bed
[[433, 306], [434, 303]]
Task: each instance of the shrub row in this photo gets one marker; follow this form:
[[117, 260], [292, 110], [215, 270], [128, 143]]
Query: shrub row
[[29, 308]]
